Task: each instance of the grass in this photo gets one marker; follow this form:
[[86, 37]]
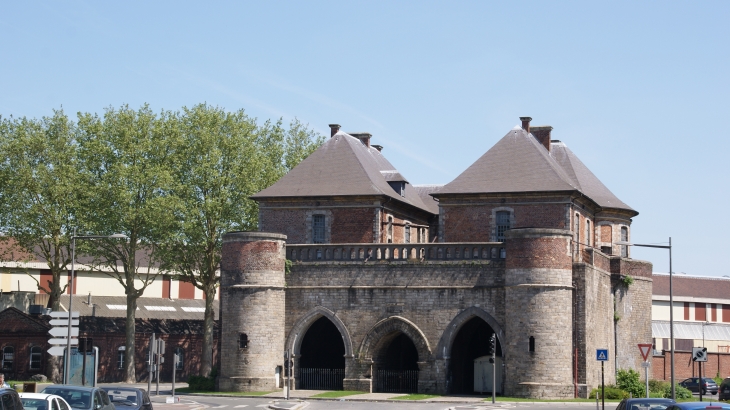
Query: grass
[[232, 393], [335, 394], [415, 397]]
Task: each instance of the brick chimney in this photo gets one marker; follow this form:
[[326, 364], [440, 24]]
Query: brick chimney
[[526, 123], [378, 147], [542, 134], [334, 128], [364, 137]]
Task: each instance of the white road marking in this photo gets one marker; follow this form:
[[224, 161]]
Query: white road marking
[[242, 405]]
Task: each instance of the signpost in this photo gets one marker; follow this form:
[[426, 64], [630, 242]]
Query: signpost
[[699, 355], [645, 348], [60, 332], [602, 356]]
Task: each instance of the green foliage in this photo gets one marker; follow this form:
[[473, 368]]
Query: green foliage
[[616, 316], [679, 392], [201, 383], [658, 386], [287, 266], [628, 380], [611, 393], [627, 280]]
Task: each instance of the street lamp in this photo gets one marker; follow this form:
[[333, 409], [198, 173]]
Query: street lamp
[[67, 373], [671, 304]]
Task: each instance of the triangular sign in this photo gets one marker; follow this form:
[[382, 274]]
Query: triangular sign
[[601, 356], [645, 348]]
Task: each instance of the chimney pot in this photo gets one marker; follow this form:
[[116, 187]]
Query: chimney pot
[[334, 128], [526, 123], [378, 147], [364, 137]]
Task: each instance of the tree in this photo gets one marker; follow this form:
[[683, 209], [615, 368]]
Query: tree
[[126, 158], [41, 192], [220, 160]]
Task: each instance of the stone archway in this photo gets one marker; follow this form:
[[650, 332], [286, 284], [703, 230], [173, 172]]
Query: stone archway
[[463, 349], [391, 340], [294, 339]]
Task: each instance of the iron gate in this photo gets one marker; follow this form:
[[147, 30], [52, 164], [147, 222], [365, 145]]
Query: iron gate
[[397, 381], [321, 379]]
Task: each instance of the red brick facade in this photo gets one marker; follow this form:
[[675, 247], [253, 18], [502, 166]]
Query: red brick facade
[[684, 367]]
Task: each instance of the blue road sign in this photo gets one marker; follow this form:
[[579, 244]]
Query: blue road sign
[[602, 355]]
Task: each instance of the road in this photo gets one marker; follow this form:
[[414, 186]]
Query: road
[[249, 403]]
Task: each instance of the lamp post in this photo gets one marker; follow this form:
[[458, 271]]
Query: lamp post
[[67, 372], [671, 305]]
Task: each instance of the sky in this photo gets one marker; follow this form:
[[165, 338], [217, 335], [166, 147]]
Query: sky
[[637, 90]]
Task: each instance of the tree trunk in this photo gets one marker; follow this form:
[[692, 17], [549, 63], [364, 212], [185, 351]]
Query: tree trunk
[[206, 364], [54, 298], [130, 375]]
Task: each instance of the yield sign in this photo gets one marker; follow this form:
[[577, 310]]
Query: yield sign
[[645, 348]]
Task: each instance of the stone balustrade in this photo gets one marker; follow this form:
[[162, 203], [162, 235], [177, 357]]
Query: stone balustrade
[[395, 251]]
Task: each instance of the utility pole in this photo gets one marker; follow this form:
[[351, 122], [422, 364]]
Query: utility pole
[[151, 363]]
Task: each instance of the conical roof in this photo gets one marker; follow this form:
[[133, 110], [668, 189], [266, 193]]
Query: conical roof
[[342, 166], [520, 163]]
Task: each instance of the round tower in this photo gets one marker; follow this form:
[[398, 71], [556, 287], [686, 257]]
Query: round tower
[[251, 310], [539, 313]]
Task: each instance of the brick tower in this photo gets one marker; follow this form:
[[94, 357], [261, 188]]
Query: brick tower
[[538, 313], [252, 310]]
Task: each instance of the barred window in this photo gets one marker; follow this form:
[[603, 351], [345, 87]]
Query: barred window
[[180, 358], [35, 357], [408, 233], [317, 228], [120, 357], [503, 224], [588, 232], [624, 238], [390, 229]]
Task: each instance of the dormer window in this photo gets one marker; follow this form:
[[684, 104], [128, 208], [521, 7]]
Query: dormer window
[[399, 187]]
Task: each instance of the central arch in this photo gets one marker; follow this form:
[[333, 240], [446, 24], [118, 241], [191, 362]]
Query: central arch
[[396, 349]]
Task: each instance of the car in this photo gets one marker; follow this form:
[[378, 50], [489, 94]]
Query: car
[[699, 405], [128, 398], [724, 390], [9, 399], [42, 401], [644, 404], [81, 397], [692, 384]]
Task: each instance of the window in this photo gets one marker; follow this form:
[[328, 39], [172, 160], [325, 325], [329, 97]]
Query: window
[[35, 357], [120, 357], [242, 341], [390, 229], [577, 233], [532, 344], [624, 238], [8, 357], [54, 405], [180, 358], [588, 232], [317, 228], [502, 224], [408, 233], [63, 405]]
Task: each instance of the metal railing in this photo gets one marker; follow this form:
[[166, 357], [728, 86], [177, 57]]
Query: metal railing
[[397, 381], [321, 379], [394, 252]]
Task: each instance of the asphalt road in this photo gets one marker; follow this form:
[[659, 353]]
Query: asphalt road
[[235, 403]]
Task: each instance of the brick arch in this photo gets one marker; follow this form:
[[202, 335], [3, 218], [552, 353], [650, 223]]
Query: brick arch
[[385, 331], [443, 350], [296, 335]]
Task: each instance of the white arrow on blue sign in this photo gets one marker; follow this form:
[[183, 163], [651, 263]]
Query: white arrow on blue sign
[[602, 355]]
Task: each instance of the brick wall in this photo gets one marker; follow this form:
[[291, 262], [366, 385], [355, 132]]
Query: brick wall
[[684, 367]]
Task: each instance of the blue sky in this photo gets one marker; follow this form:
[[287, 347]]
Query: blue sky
[[638, 90]]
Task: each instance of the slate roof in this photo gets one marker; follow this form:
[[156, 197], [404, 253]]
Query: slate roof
[[342, 166], [425, 191], [147, 308], [520, 163], [691, 286], [159, 326]]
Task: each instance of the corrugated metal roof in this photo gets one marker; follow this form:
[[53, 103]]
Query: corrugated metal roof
[[691, 330], [694, 286], [147, 308]]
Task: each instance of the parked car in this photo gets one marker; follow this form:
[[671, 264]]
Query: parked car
[[724, 390], [9, 399], [128, 398], [82, 397], [700, 405], [43, 401], [692, 384], [644, 404]]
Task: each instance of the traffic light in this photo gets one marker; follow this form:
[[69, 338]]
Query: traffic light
[[493, 344], [86, 345]]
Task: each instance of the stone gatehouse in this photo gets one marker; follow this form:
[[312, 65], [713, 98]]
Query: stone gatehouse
[[376, 285]]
